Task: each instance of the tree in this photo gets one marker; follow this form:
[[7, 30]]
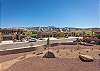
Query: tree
[[61, 34], [83, 33], [89, 33], [30, 34], [98, 36]]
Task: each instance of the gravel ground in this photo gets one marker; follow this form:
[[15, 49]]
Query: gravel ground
[[17, 62], [54, 64], [74, 46]]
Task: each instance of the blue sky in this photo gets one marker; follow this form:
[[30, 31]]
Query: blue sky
[[59, 13]]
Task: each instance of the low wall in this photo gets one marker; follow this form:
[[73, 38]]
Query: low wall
[[68, 43], [15, 51]]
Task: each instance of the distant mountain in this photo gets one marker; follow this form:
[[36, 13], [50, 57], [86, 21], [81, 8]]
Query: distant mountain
[[52, 27]]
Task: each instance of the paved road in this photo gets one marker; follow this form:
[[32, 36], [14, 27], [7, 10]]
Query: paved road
[[18, 45]]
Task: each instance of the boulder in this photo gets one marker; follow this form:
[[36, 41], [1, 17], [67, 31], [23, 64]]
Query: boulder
[[49, 55], [86, 58]]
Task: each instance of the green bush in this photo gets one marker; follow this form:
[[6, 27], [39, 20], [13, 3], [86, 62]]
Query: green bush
[[98, 36]]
